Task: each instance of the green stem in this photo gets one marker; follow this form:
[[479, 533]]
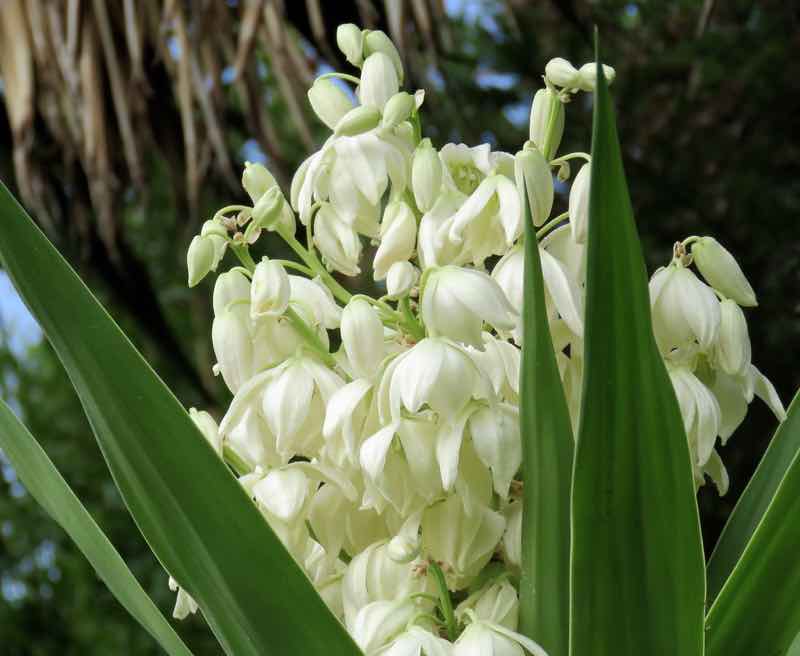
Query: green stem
[[551, 123], [410, 322], [445, 603], [341, 76], [288, 264], [242, 251], [552, 223], [310, 337], [565, 158], [239, 464]]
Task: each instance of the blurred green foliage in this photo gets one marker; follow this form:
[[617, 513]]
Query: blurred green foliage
[[708, 99]]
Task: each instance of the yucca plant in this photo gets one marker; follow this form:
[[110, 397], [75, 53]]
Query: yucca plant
[[420, 490]]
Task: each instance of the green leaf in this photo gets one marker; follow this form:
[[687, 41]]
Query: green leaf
[[46, 485], [187, 504], [638, 583], [757, 609], [755, 499], [548, 447]]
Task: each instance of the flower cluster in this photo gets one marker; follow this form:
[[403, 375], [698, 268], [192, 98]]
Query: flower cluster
[[379, 434]]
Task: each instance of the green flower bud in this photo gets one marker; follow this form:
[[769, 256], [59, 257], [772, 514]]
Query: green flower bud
[[397, 109], [256, 180], [329, 102], [269, 207], [722, 271], [200, 259], [358, 120], [377, 41], [544, 102], [351, 42]]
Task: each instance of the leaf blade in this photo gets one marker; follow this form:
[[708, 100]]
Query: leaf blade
[[756, 610], [547, 468], [46, 485], [150, 443], [755, 500], [638, 582]]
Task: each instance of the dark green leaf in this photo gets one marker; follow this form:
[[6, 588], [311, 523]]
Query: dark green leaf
[[755, 499], [638, 583], [547, 469], [46, 485], [757, 609], [189, 507]]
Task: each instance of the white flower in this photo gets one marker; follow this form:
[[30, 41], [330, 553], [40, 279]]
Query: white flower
[[500, 362], [685, 311], [561, 73], [398, 238], [362, 337], [283, 493], [488, 639], [416, 641], [544, 102], [185, 605], [457, 301], [700, 411], [338, 242], [496, 438], [379, 80], [269, 290], [329, 102], [722, 271], [400, 278], [579, 204], [532, 173], [497, 603], [426, 175], [587, 78], [733, 351], [378, 623], [314, 301]]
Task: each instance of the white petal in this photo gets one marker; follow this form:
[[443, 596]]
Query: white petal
[[564, 291]]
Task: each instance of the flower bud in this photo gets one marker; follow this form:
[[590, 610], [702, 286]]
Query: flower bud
[[398, 237], [722, 271], [268, 209], [587, 78], [379, 81], [337, 240], [544, 102], [200, 258], [233, 346], [561, 73], [269, 291], [362, 337], [579, 205], [358, 120], [350, 40], [231, 287], [733, 350], [257, 180], [426, 175], [402, 276], [377, 41], [398, 109], [214, 229], [532, 170], [329, 102], [208, 427]]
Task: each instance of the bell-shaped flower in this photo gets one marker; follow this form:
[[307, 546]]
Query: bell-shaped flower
[[685, 312], [185, 604], [269, 290], [416, 641], [435, 373], [232, 339], [496, 602], [482, 638], [398, 238], [700, 411], [362, 337], [283, 493], [587, 76], [532, 172], [380, 622], [373, 576], [377, 41], [397, 109], [348, 419], [400, 278], [732, 352], [463, 539], [314, 301], [379, 80], [206, 251], [579, 204], [500, 362], [495, 435], [722, 271], [546, 101], [456, 302], [329, 101], [338, 242], [426, 175], [350, 40], [434, 246], [561, 73]]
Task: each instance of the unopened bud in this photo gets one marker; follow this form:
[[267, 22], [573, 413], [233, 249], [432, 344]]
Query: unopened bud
[[733, 351], [426, 175], [561, 73], [402, 276], [269, 207], [579, 204], [532, 170], [722, 271], [377, 41], [587, 79], [379, 80], [362, 337], [397, 109], [200, 259], [213, 229], [351, 42], [269, 290], [398, 237], [402, 549], [256, 180], [358, 120], [544, 102], [329, 102]]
